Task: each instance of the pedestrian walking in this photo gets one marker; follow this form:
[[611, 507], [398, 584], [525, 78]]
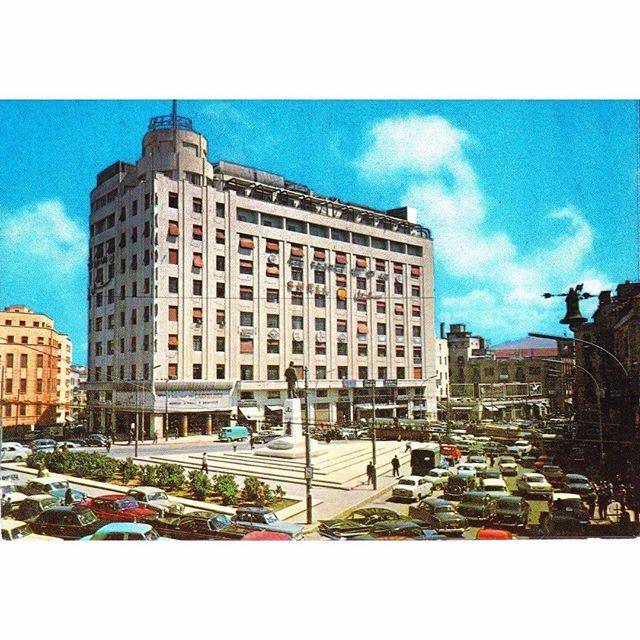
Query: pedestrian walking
[[407, 447], [395, 466], [371, 470], [591, 504], [132, 435], [155, 436], [205, 466], [108, 444], [235, 448], [252, 443], [603, 501]]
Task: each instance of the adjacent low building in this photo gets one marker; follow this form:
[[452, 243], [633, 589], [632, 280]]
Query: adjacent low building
[[35, 362], [207, 278]]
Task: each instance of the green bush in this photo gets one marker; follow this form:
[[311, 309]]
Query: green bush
[[280, 493], [129, 470], [199, 484], [171, 476], [227, 488], [250, 489], [81, 465], [149, 475]]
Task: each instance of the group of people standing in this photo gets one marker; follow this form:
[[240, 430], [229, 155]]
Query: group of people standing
[[625, 494]]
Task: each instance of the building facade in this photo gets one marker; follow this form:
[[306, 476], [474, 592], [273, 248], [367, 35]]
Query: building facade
[[206, 280], [78, 391], [36, 370], [442, 369]]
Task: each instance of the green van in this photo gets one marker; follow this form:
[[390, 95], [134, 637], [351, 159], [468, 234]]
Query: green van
[[231, 434]]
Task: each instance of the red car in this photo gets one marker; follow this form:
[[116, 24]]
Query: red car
[[266, 535], [119, 508], [493, 534]]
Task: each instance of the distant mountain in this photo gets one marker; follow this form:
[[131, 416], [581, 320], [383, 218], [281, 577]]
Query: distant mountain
[[527, 347]]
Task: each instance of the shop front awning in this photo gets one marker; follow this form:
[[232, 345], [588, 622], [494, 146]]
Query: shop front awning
[[379, 407], [461, 408], [274, 407], [252, 413], [489, 407]]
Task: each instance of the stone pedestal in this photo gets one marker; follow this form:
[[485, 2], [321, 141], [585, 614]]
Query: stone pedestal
[[291, 446]]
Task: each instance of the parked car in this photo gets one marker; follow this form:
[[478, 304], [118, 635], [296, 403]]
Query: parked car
[[79, 497], [528, 461], [17, 530], [451, 452], [495, 487], [478, 462], [511, 511], [119, 508], [156, 499], [476, 505], [485, 474], [124, 531], [457, 485], [10, 493], [43, 444], [534, 484], [412, 488], [401, 530], [14, 452], [508, 466], [358, 522], [514, 451], [441, 515], [199, 525], [493, 534], [554, 475], [566, 516], [524, 446], [71, 446], [68, 523], [46, 484], [96, 440], [266, 536], [438, 477], [32, 506], [542, 460], [265, 519], [466, 470], [580, 485]]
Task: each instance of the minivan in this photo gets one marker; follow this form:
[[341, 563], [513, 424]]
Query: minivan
[[230, 434]]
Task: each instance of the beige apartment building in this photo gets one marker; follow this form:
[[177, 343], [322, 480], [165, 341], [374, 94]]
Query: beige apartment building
[[207, 279], [35, 367]]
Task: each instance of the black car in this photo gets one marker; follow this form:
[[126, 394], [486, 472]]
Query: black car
[[580, 485], [68, 523], [511, 511], [197, 526], [441, 515], [486, 474], [567, 517], [401, 530], [96, 440], [359, 522], [457, 485], [477, 505]]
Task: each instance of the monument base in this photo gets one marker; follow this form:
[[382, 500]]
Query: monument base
[[291, 446]]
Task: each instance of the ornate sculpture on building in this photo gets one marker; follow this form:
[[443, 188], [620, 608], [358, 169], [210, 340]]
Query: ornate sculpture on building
[[572, 317]]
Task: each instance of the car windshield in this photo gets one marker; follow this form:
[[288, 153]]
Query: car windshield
[[569, 503], [270, 518], [160, 495], [506, 460], [445, 508], [126, 504], [507, 505], [59, 484], [407, 481], [21, 532], [87, 517], [476, 459], [533, 479], [151, 535], [473, 499]]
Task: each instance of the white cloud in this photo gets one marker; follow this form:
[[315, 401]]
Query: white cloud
[[501, 285]]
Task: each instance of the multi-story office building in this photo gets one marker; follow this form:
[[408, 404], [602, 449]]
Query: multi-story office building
[[442, 368], [78, 391], [35, 364], [207, 279]]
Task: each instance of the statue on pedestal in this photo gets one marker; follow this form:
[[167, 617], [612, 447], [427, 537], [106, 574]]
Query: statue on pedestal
[[292, 381]]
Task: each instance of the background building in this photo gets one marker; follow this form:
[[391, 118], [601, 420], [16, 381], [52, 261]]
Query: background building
[[79, 392], [36, 367], [206, 280]]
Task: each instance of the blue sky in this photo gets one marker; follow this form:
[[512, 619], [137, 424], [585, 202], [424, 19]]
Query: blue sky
[[522, 197]]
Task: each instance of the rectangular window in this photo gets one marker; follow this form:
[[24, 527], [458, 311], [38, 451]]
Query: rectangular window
[[320, 255], [273, 271], [297, 275], [400, 373], [343, 373], [173, 285], [197, 205], [416, 311], [416, 331], [297, 348], [173, 200], [415, 272], [246, 293], [246, 345], [341, 258], [246, 242], [363, 350], [321, 324], [220, 238], [197, 287], [220, 367], [24, 361], [220, 214], [320, 301], [219, 289], [343, 349], [361, 305], [273, 346], [400, 351], [174, 229], [173, 256], [197, 260], [23, 385], [319, 277], [296, 298], [321, 372], [341, 326], [246, 372], [197, 232], [39, 361], [382, 373], [219, 263], [273, 295], [246, 267], [361, 262], [197, 315], [273, 246], [220, 343], [297, 323], [246, 319], [361, 283], [363, 373], [172, 371], [297, 251], [273, 321], [382, 351], [273, 372], [417, 373], [173, 342], [220, 318]]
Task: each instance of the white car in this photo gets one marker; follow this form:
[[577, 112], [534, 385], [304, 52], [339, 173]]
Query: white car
[[10, 493], [524, 446], [14, 452], [18, 530], [494, 487], [479, 463], [534, 484], [466, 469], [156, 499], [72, 446], [508, 466], [438, 477], [483, 439], [412, 488], [37, 486]]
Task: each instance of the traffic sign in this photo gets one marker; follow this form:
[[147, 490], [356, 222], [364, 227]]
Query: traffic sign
[[308, 473]]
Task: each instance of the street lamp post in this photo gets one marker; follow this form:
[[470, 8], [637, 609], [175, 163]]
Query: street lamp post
[[136, 423], [308, 471], [373, 435]]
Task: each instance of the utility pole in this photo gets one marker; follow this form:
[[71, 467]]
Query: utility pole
[[373, 434], [166, 412], [308, 470], [136, 423]]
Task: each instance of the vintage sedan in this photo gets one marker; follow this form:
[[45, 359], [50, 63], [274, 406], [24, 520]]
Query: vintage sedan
[[580, 485], [478, 462], [359, 522], [96, 440], [493, 534], [438, 477], [200, 525], [412, 488], [47, 484], [264, 519], [17, 530], [441, 515], [477, 505], [401, 530], [68, 523], [534, 484], [495, 487], [124, 531], [508, 466], [156, 499], [119, 508], [554, 475], [32, 506], [14, 452], [511, 511], [487, 474], [567, 516], [10, 493]]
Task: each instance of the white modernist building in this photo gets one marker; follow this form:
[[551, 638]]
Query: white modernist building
[[207, 279]]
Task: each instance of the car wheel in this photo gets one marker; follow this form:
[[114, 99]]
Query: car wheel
[[18, 459]]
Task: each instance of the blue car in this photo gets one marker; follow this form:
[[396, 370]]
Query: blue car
[[124, 531], [263, 519], [78, 496]]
